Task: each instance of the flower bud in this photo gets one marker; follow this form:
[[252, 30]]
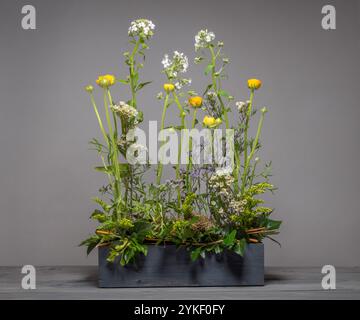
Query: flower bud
[[89, 88], [169, 87], [105, 81], [254, 84]]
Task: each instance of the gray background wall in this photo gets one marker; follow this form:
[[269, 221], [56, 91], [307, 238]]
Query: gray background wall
[[311, 87]]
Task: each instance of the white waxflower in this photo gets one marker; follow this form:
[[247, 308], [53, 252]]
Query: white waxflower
[[142, 27], [223, 171], [125, 111], [241, 105], [203, 38]]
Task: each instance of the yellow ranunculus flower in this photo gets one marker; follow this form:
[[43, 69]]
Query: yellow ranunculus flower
[[254, 84], [195, 101], [106, 80], [169, 87], [211, 122]]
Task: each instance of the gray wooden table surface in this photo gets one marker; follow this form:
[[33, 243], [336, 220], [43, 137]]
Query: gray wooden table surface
[[80, 282]]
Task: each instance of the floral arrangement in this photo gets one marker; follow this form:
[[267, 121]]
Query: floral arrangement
[[206, 208]]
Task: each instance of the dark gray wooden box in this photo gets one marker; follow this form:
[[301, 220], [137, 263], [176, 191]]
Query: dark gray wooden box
[[168, 266]]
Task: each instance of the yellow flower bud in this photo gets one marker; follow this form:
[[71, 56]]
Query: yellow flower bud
[[89, 88], [195, 101], [169, 87], [105, 81], [264, 110], [211, 122], [218, 121], [254, 84]]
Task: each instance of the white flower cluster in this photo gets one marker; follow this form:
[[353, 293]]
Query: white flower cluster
[[178, 63], [182, 82], [221, 181], [142, 27], [125, 111], [237, 206], [242, 106], [211, 97], [203, 38], [223, 172]]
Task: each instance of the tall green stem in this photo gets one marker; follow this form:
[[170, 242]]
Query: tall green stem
[[189, 166], [183, 126], [253, 149], [236, 172], [215, 86], [114, 150], [99, 119], [160, 165], [113, 114], [133, 81]]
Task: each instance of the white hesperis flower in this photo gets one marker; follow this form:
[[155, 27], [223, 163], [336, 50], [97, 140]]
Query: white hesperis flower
[[179, 63], [203, 38], [141, 27], [182, 82]]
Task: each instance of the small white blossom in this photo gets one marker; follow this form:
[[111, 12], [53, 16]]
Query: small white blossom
[[223, 171], [142, 27], [203, 38], [179, 63], [240, 105], [125, 111]]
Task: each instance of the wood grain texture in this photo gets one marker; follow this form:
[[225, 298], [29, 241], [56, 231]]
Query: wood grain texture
[[79, 282], [169, 266]]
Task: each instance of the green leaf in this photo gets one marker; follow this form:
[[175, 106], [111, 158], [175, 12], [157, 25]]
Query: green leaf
[[98, 215], [240, 247], [208, 69], [230, 238], [91, 243], [140, 116], [195, 254], [207, 89], [102, 204], [123, 81], [142, 85], [217, 249], [124, 169], [223, 93], [273, 224]]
